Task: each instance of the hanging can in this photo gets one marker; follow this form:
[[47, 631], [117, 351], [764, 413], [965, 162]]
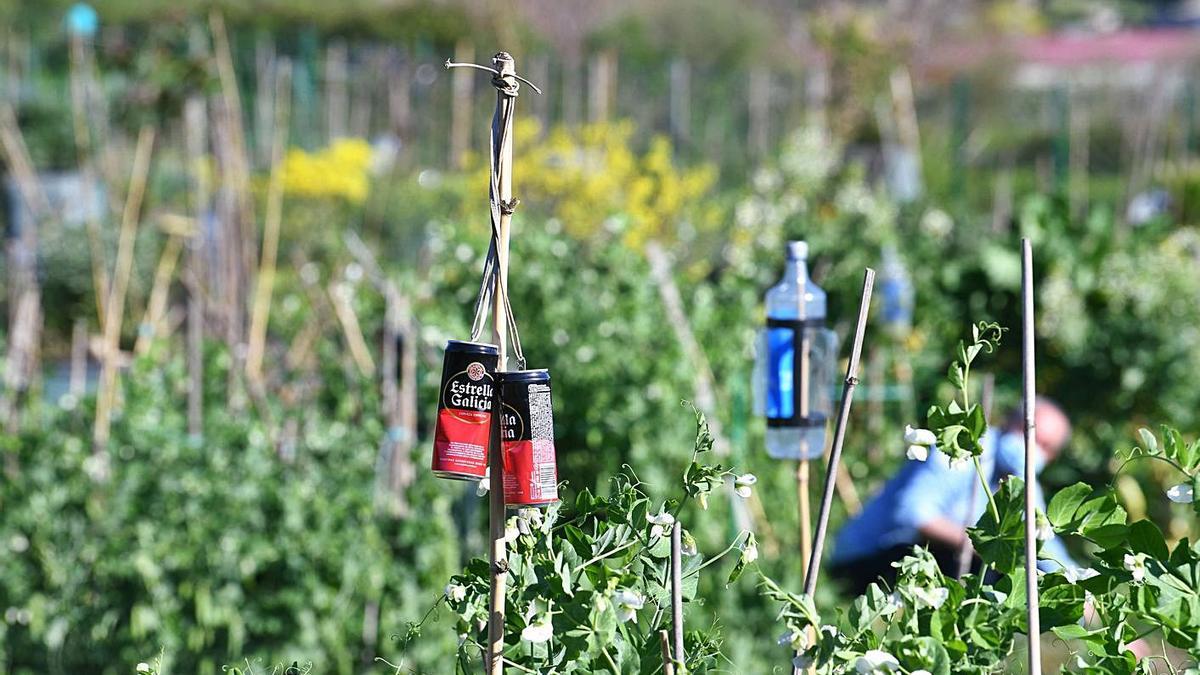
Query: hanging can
[[527, 438], [464, 420]]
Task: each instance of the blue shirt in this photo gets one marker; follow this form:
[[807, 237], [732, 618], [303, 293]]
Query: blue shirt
[[923, 491]]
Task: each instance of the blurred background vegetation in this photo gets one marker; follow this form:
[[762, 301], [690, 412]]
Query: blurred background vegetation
[[289, 513]]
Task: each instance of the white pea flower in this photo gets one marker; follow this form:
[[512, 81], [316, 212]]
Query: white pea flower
[[1136, 564], [920, 672], [512, 529], [918, 453], [914, 436], [540, 630], [1077, 574], [750, 551], [876, 661], [1045, 531], [895, 603], [743, 484], [687, 544], [628, 603], [456, 592], [959, 462], [143, 667], [1181, 494], [930, 597], [661, 522]]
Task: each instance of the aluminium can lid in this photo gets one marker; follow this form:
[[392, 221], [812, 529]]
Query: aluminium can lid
[[516, 376], [472, 347]]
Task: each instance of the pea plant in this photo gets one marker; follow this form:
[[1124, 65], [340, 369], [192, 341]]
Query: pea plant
[[1137, 588], [589, 585]]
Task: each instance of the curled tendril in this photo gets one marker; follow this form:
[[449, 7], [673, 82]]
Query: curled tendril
[[988, 334]]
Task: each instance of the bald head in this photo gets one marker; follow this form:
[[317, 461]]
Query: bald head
[[1052, 429]]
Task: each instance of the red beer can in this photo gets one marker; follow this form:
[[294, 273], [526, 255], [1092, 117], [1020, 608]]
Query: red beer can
[[464, 421], [527, 438]]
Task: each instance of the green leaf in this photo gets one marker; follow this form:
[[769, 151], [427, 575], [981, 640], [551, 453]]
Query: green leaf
[[1001, 543], [1148, 440], [1145, 537], [1064, 505]]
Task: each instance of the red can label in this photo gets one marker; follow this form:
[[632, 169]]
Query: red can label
[[464, 421], [527, 433]]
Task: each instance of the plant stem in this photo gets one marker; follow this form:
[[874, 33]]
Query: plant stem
[[718, 556], [986, 490]]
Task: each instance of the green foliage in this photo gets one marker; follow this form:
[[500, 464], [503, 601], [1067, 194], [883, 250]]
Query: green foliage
[[1138, 586], [205, 549], [589, 581]]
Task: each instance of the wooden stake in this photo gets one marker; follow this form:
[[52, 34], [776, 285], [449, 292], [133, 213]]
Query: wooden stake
[[156, 306], [271, 222], [677, 591], [664, 641], [839, 434], [502, 140], [194, 114], [116, 295], [1028, 404], [81, 56], [804, 513], [79, 358]]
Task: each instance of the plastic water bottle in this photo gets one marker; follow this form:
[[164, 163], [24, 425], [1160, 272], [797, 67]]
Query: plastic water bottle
[[795, 303], [897, 292]]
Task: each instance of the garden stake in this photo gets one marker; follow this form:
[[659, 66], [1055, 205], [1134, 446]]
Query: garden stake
[[261, 310], [839, 433], [664, 641], [507, 84], [677, 590], [115, 306], [839, 437], [1028, 405], [194, 114]]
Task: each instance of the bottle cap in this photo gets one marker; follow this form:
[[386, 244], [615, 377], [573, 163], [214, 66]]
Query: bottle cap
[[797, 250]]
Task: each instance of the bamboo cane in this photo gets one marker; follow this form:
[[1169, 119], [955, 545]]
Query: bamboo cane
[[664, 642], [1028, 405], [839, 434], [156, 306], [677, 591], [120, 284], [502, 140], [194, 114], [271, 222], [79, 337], [506, 81], [839, 438], [80, 52]]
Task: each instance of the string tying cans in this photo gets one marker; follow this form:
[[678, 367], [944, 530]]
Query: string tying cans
[[527, 438], [464, 419]]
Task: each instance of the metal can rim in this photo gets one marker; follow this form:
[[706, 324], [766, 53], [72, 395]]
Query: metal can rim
[[534, 375], [467, 347]]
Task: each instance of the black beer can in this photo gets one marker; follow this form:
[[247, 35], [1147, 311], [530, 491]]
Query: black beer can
[[527, 438], [464, 421]]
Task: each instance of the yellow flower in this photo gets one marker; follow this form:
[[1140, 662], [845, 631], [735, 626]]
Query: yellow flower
[[338, 171]]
